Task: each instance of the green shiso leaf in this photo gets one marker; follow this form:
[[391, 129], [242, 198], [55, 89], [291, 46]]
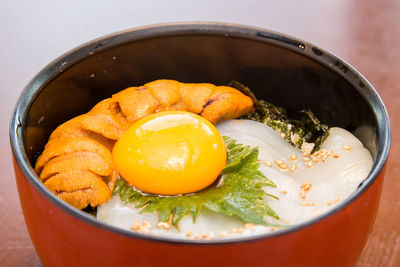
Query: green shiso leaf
[[296, 131], [238, 192]]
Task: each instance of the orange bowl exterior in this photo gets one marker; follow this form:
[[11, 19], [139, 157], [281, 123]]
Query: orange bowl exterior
[[64, 236], [59, 241]]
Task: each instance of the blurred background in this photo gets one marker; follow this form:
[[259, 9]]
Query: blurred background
[[364, 33]]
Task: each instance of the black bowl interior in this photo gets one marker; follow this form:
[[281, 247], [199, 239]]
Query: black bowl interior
[[292, 76]]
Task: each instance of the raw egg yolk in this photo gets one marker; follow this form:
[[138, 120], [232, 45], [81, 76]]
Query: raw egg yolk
[[170, 153]]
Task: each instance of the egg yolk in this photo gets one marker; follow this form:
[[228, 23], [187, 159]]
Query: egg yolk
[[170, 153]]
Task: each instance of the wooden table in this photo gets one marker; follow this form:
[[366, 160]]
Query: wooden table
[[365, 33]]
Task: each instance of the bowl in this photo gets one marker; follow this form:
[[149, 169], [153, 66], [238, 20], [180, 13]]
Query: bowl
[[281, 69]]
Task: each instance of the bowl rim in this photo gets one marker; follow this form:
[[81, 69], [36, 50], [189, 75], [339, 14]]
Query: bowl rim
[[321, 56]]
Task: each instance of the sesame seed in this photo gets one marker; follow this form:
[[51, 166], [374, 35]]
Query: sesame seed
[[336, 156], [293, 168], [188, 233], [163, 225], [293, 157], [305, 203], [307, 148], [336, 200], [223, 234], [249, 226], [283, 166], [314, 158], [144, 227], [346, 148], [283, 191], [269, 164], [205, 236], [233, 230], [329, 202], [306, 186], [309, 164], [303, 194], [271, 229], [278, 162], [196, 236], [330, 152], [283, 135], [306, 159]]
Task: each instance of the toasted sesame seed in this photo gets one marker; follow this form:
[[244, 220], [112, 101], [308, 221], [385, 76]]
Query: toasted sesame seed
[[196, 236], [249, 226], [307, 148], [305, 203], [303, 194], [336, 156], [269, 164], [223, 234], [233, 230], [271, 229], [314, 158], [306, 186], [188, 233], [283, 191], [283, 166], [346, 148], [278, 162], [306, 159], [329, 202], [163, 225], [293, 157], [205, 235], [293, 168], [144, 227], [336, 200], [309, 164]]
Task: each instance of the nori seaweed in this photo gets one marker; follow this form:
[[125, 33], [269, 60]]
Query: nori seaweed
[[296, 131]]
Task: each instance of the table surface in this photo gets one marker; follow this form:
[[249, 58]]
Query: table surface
[[364, 33]]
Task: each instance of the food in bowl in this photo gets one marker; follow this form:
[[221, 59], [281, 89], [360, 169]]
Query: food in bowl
[[180, 178]]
